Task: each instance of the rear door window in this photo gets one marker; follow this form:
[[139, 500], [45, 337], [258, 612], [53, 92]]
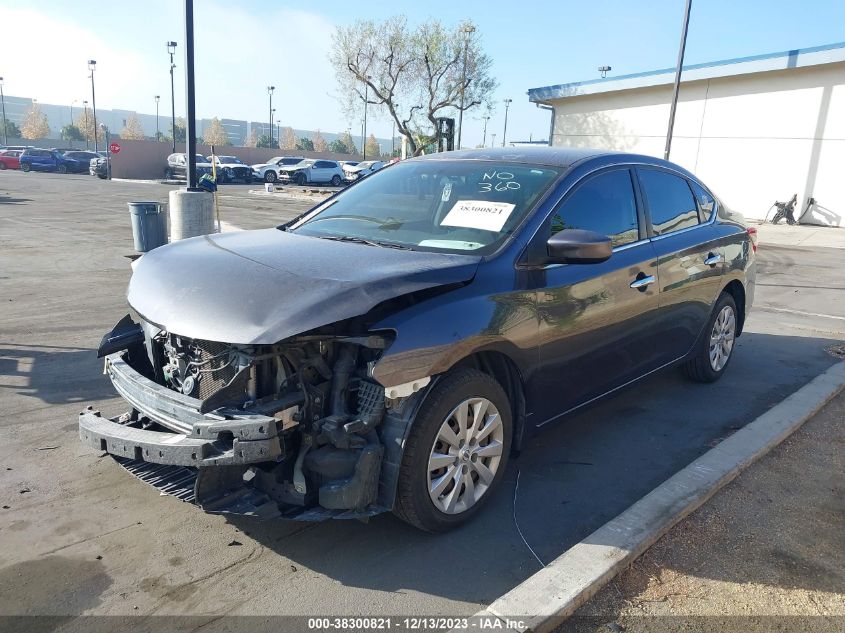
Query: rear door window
[[604, 204], [669, 200]]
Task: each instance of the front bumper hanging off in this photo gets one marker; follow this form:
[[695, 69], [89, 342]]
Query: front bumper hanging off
[[204, 459]]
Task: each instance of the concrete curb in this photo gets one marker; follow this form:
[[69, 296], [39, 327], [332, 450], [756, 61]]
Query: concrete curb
[[551, 595]]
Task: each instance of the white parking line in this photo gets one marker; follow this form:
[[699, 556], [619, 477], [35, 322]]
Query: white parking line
[[800, 312]]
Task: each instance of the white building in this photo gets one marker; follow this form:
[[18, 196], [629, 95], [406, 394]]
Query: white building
[[755, 129]]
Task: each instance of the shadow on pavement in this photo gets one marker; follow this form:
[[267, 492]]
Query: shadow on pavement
[[573, 479], [54, 375]]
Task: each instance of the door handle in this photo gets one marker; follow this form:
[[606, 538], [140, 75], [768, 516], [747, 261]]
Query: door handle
[[713, 259], [642, 282]]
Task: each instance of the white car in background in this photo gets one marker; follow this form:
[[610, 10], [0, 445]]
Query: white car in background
[[312, 171], [365, 168], [269, 171]]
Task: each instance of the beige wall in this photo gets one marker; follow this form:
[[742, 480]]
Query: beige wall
[[752, 138], [147, 159]]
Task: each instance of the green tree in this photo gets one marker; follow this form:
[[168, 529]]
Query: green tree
[[337, 146], [305, 144], [347, 140], [12, 130], [265, 141], [71, 133]]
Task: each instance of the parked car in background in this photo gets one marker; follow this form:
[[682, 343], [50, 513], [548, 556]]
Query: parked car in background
[[313, 171], [100, 167], [177, 167], [269, 171], [503, 290], [10, 159], [37, 159], [83, 157], [231, 168], [359, 170]]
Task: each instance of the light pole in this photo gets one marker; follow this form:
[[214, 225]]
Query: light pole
[[493, 143], [92, 65], [278, 131], [484, 142], [505, 131], [108, 155], [364, 132], [85, 109], [677, 85], [3, 101], [71, 117], [272, 118], [468, 29], [158, 134], [270, 90], [190, 98], [171, 49]]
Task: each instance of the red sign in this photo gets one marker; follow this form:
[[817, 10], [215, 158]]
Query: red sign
[[114, 148]]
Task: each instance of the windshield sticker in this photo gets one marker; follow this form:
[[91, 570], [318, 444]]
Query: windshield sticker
[[447, 192], [479, 214]]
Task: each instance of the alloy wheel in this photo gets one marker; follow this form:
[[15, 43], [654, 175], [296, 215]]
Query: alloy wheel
[[465, 456], [722, 338]]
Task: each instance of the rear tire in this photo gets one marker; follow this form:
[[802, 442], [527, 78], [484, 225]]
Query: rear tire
[[62, 169], [468, 464], [2, 166], [714, 350], [335, 181]]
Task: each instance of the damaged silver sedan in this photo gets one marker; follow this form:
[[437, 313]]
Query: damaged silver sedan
[[388, 349]]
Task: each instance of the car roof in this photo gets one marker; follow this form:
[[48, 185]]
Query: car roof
[[565, 157]]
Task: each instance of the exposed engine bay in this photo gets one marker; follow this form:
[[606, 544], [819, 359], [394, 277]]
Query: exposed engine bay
[[291, 429]]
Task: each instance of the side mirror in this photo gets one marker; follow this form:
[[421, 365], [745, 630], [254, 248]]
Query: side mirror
[[577, 246]]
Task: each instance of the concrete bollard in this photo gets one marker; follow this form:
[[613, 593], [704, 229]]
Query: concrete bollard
[[191, 214]]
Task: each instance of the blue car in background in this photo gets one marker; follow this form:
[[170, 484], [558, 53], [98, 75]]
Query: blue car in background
[[37, 159]]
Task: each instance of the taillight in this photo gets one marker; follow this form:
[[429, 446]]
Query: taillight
[[752, 234]]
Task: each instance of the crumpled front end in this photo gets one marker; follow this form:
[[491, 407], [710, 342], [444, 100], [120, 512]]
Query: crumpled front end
[[294, 430]]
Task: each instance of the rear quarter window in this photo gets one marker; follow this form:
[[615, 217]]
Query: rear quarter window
[[670, 201]]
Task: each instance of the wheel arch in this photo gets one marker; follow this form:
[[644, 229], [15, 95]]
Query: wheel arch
[[737, 291]]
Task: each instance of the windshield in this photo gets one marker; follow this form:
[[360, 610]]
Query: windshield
[[443, 205], [228, 159]]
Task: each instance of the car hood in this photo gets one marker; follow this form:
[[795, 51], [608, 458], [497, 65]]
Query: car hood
[[233, 165], [296, 167], [259, 287]]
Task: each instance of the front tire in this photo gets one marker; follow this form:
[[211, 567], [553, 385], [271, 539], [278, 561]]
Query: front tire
[[715, 349], [25, 167], [301, 179], [456, 453], [269, 176], [2, 166], [62, 169]]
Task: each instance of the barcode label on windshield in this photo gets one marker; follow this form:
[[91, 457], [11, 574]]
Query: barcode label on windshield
[[479, 214]]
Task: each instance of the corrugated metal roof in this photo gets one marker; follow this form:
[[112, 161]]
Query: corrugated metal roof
[[797, 58]]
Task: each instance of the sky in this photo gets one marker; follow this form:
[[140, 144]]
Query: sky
[[242, 47]]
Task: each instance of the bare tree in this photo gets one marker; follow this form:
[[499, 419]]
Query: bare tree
[[252, 139], [386, 64], [132, 129], [320, 144], [35, 123], [215, 134], [287, 139]]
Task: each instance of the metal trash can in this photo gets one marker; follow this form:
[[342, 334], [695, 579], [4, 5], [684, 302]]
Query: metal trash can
[[149, 225]]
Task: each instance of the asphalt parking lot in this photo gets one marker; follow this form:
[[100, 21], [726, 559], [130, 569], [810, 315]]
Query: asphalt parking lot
[[80, 535]]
